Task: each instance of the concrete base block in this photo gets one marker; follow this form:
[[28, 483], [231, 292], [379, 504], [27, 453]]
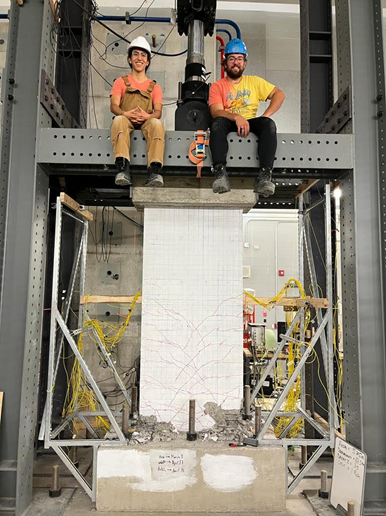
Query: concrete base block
[[191, 477], [190, 193]]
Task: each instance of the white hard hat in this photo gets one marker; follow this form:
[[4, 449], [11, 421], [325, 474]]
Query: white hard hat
[[140, 42]]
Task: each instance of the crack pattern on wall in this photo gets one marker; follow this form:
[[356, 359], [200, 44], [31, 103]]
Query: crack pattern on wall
[[192, 304]]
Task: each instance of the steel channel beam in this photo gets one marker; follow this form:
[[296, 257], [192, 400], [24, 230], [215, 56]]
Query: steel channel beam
[[88, 425], [265, 414], [62, 425], [94, 473], [68, 300], [314, 283], [110, 363], [363, 244], [296, 442], [290, 425], [93, 147], [23, 215], [330, 322], [73, 469], [313, 423], [301, 279], [316, 62], [290, 339], [51, 377], [272, 362], [89, 375], [291, 380], [82, 274], [311, 461]]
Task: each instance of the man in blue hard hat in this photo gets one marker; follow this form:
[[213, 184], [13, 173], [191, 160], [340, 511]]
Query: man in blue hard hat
[[233, 103]]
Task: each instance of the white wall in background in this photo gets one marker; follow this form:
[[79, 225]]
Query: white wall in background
[[270, 245]]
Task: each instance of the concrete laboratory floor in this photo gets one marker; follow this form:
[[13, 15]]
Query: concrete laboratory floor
[[75, 502]]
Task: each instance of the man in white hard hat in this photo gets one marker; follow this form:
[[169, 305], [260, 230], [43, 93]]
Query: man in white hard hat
[[233, 103], [136, 101]]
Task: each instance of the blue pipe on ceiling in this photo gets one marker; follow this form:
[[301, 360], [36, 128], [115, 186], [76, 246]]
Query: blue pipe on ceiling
[[159, 20], [232, 24], [226, 32]]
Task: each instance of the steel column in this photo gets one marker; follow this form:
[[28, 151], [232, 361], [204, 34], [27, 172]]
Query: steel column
[[363, 247], [23, 228], [316, 62]]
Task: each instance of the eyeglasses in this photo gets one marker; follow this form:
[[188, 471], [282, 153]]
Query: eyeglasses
[[139, 54], [239, 59]]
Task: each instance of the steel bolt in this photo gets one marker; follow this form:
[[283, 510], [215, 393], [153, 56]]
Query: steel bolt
[[379, 98], [11, 81], [247, 403], [379, 114], [10, 97], [257, 419], [125, 420], [55, 490], [350, 508], [323, 493], [134, 398], [303, 460], [192, 435]]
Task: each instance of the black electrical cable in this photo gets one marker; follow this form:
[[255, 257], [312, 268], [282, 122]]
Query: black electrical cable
[[100, 22], [170, 55], [139, 8], [158, 53], [128, 218], [124, 37], [136, 28]]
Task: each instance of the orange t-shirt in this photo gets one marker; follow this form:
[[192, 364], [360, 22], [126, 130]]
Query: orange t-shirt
[[119, 88]]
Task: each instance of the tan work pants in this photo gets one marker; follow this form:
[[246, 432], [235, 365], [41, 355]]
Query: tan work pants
[[153, 131]]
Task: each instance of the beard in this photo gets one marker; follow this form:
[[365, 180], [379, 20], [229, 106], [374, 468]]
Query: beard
[[235, 72]]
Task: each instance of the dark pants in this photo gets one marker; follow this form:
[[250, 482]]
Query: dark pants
[[263, 127]]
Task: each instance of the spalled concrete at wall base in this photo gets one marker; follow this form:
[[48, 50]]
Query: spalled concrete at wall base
[[191, 477]]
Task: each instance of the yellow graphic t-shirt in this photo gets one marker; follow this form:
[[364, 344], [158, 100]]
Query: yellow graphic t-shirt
[[242, 98]]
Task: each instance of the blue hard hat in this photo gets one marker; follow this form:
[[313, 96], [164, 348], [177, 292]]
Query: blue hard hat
[[236, 46]]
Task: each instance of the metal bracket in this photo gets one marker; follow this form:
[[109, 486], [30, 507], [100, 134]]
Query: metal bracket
[[54, 104], [338, 116]]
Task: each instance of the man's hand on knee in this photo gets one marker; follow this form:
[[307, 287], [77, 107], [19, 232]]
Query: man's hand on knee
[[242, 126]]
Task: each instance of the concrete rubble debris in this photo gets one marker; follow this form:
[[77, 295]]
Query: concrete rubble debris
[[228, 427]]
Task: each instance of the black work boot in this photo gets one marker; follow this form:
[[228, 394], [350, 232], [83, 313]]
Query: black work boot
[[221, 183], [154, 178], [263, 182], [123, 177]]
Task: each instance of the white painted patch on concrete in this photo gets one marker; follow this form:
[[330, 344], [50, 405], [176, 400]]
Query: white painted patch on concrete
[[152, 471], [122, 463], [228, 473]]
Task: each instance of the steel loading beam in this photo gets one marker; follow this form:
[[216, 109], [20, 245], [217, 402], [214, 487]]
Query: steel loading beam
[[92, 148]]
